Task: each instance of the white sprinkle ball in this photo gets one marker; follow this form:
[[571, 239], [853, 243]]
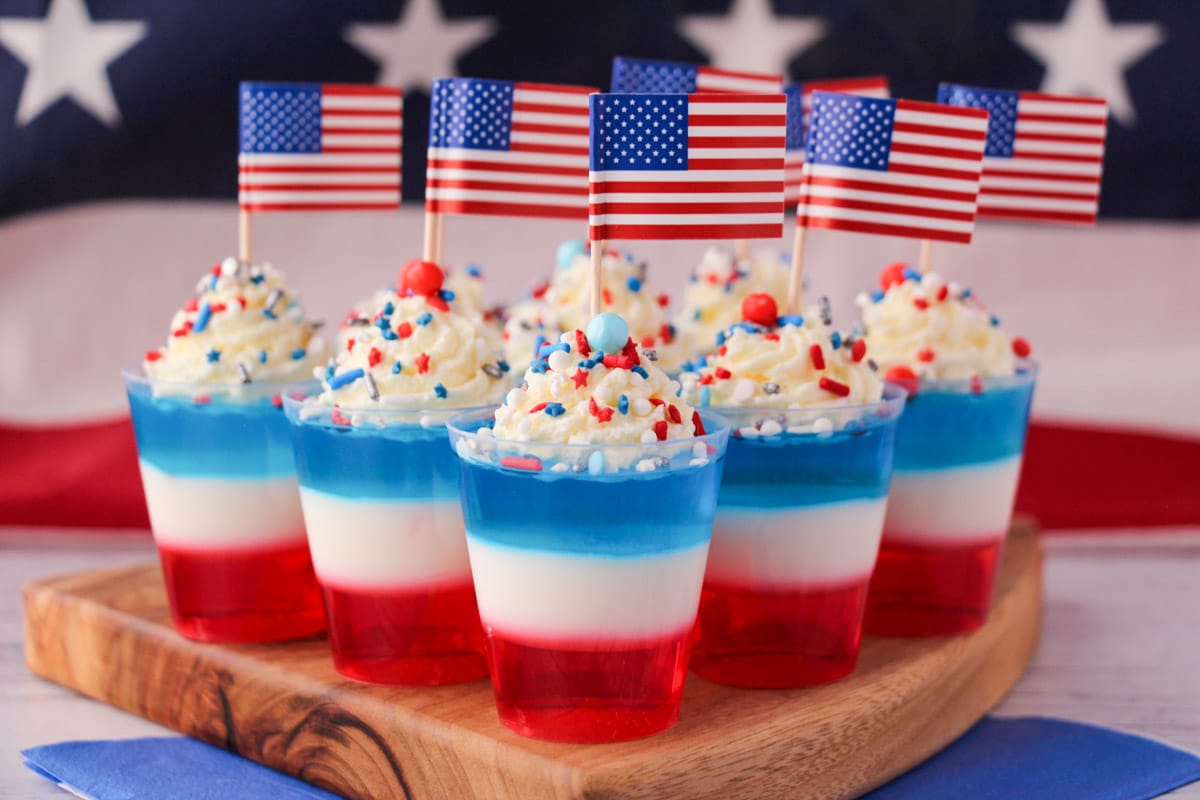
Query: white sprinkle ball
[[771, 428], [822, 426], [743, 390], [641, 406]]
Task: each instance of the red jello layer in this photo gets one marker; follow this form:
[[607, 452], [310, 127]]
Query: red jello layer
[[261, 594], [422, 637], [778, 639], [931, 591], [597, 691]]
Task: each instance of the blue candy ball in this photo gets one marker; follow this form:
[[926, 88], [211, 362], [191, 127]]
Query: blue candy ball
[[607, 333], [568, 251]]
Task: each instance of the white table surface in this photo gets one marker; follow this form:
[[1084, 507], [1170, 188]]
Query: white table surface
[[1119, 645]]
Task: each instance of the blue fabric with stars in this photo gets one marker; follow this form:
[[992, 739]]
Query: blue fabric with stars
[[850, 131], [639, 132], [280, 118], [653, 77], [470, 113], [1001, 106], [794, 131]]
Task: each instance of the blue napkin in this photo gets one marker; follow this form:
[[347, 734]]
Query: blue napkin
[[1033, 758], [174, 768]]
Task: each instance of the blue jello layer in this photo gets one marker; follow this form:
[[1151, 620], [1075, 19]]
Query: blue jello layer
[[211, 440], [611, 516], [942, 428], [791, 471], [392, 463]]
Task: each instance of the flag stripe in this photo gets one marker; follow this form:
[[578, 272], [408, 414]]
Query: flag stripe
[[511, 208], [884, 228]]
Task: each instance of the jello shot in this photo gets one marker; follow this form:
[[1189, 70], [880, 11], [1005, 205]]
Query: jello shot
[[588, 499], [216, 460], [379, 487], [958, 452], [802, 501]]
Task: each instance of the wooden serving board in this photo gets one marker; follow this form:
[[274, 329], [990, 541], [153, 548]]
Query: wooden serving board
[[108, 635]]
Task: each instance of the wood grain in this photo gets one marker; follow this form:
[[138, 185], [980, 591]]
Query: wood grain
[[108, 635]]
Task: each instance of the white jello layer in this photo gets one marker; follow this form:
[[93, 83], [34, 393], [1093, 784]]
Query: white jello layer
[[956, 506], [787, 548], [557, 596], [218, 513], [385, 544]]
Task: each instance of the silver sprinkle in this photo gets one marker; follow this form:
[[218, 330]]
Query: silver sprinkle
[[826, 310], [651, 354], [871, 363], [493, 370], [243, 372], [358, 322], [273, 299], [372, 389], [782, 420], [317, 324], [525, 326], [578, 467], [641, 271], [243, 269], [662, 462], [771, 388]]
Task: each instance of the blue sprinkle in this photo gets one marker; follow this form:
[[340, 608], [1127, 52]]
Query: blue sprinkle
[[554, 409], [383, 323], [911, 274], [446, 295], [995, 321], [388, 309], [693, 278], [345, 379], [596, 463], [474, 271], [623, 404], [425, 318], [634, 284], [213, 282], [440, 391], [628, 257], [638, 369], [213, 356], [687, 366], [671, 329], [835, 339], [696, 315], [741, 273], [257, 278], [329, 372], [966, 293], [701, 362], [202, 319], [299, 353], [728, 288], [545, 350], [748, 327], [720, 338], [390, 335], [504, 367], [705, 396], [791, 319], [537, 347], [877, 295], [262, 356], [539, 367], [269, 314], [396, 368]]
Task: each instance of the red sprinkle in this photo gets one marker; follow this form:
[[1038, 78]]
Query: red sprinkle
[[437, 302], [657, 401], [1021, 348], [817, 355], [722, 350], [192, 305], [925, 354], [697, 424], [647, 341], [581, 343], [892, 275], [665, 333], [976, 384], [660, 430], [601, 414], [522, 462], [722, 373], [277, 400], [374, 357], [630, 350], [943, 293], [538, 408], [241, 301], [664, 300], [705, 380], [338, 418], [216, 270], [349, 344], [673, 415], [834, 387], [422, 363], [216, 307], [771, 337], [607, 297], [201, 399], [153, 355], [539, 291], [858, 350], [404, 331], [921, 303], [761, 309], [581, 378], [619, 362], [712, 279], [903, 377]]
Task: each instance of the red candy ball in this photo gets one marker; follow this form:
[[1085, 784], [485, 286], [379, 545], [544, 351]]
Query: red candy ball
[[423, 277], [892, 275], [760, 308], [903, 377]]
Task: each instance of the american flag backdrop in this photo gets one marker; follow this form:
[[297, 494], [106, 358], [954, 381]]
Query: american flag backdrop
[[687, 166], [643, 75], [892, 167], [799, 99], [319, 147], [507, 149], [1044, 156]]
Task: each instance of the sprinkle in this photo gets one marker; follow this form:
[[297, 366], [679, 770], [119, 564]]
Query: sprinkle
[[641, 406], [538, 408], [192, 305], [581, 343], [539, 367], [871, 363], [474, 271], [995, 321], [771, 388], [357, 322], [638, 370], [623, 404], [771, 337], [722, 373], [503, 365], [619, 362], [277, 401], [673, 415], [634, 284], [243, 372], [966, 293], [297, 354], [446, 295], [437, 302], [595, 465], [424, 319], [822, 426], [257, 277], [272, 300], [404, 329], [372, 388], [697, 424], [607, 297], [555, 409], [826, 310], [877, 296], [743, 390], [345, 379], [817, 356], [201, 399], [1021, 348], [647, 341], [660, 430], [422, 363], [202, 319], [184, 331], [770, 428], [791, 319], [374, 357], [976, 385], [858, 350], [350, 344], [153, 355], [925, 354], [834, 387], [492, 370], [720, 338], [440, 391], [546, 349], [388, 309], [213, 356], [650, 354], [835, 339], [396, 368], [657, 401], [943, 293], [664, 300], [911, 274], [601, 414], [705, 396], [580, 378], [903, 377], [921, 303]]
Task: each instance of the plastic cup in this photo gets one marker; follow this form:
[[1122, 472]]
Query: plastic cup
[[958, 457], [588, 561], [794, 543], [220, 486], [385, 528]]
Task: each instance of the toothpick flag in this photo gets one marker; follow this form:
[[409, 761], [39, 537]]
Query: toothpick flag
[[799, 102], [680, 166], [508, 149], [639, 75], [319, 147], [1044, 155], [892, 167]]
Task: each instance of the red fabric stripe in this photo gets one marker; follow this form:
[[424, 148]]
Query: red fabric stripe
[[736, 163], [505, 209], [504, 186], [358, 150], [541, 127], [495, 166], [1025, 116], [251, 186], [1058, 137], [1018, 153], [937, 130], [359, 89], [685, 187], [737, 120], [724, 96], [1036, 215], [1039, 193], [562, 88], [1061, 98], [549, 108], [675, 207], [361, 132], [624, 231], [885, 230], [357, 112], [1001, 172], [319, 206], [874, 186], [846, 85], [943, 110], [934, 172], [555, 149], [736, 141], [255, 170], [891, 208], [940, 152]]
